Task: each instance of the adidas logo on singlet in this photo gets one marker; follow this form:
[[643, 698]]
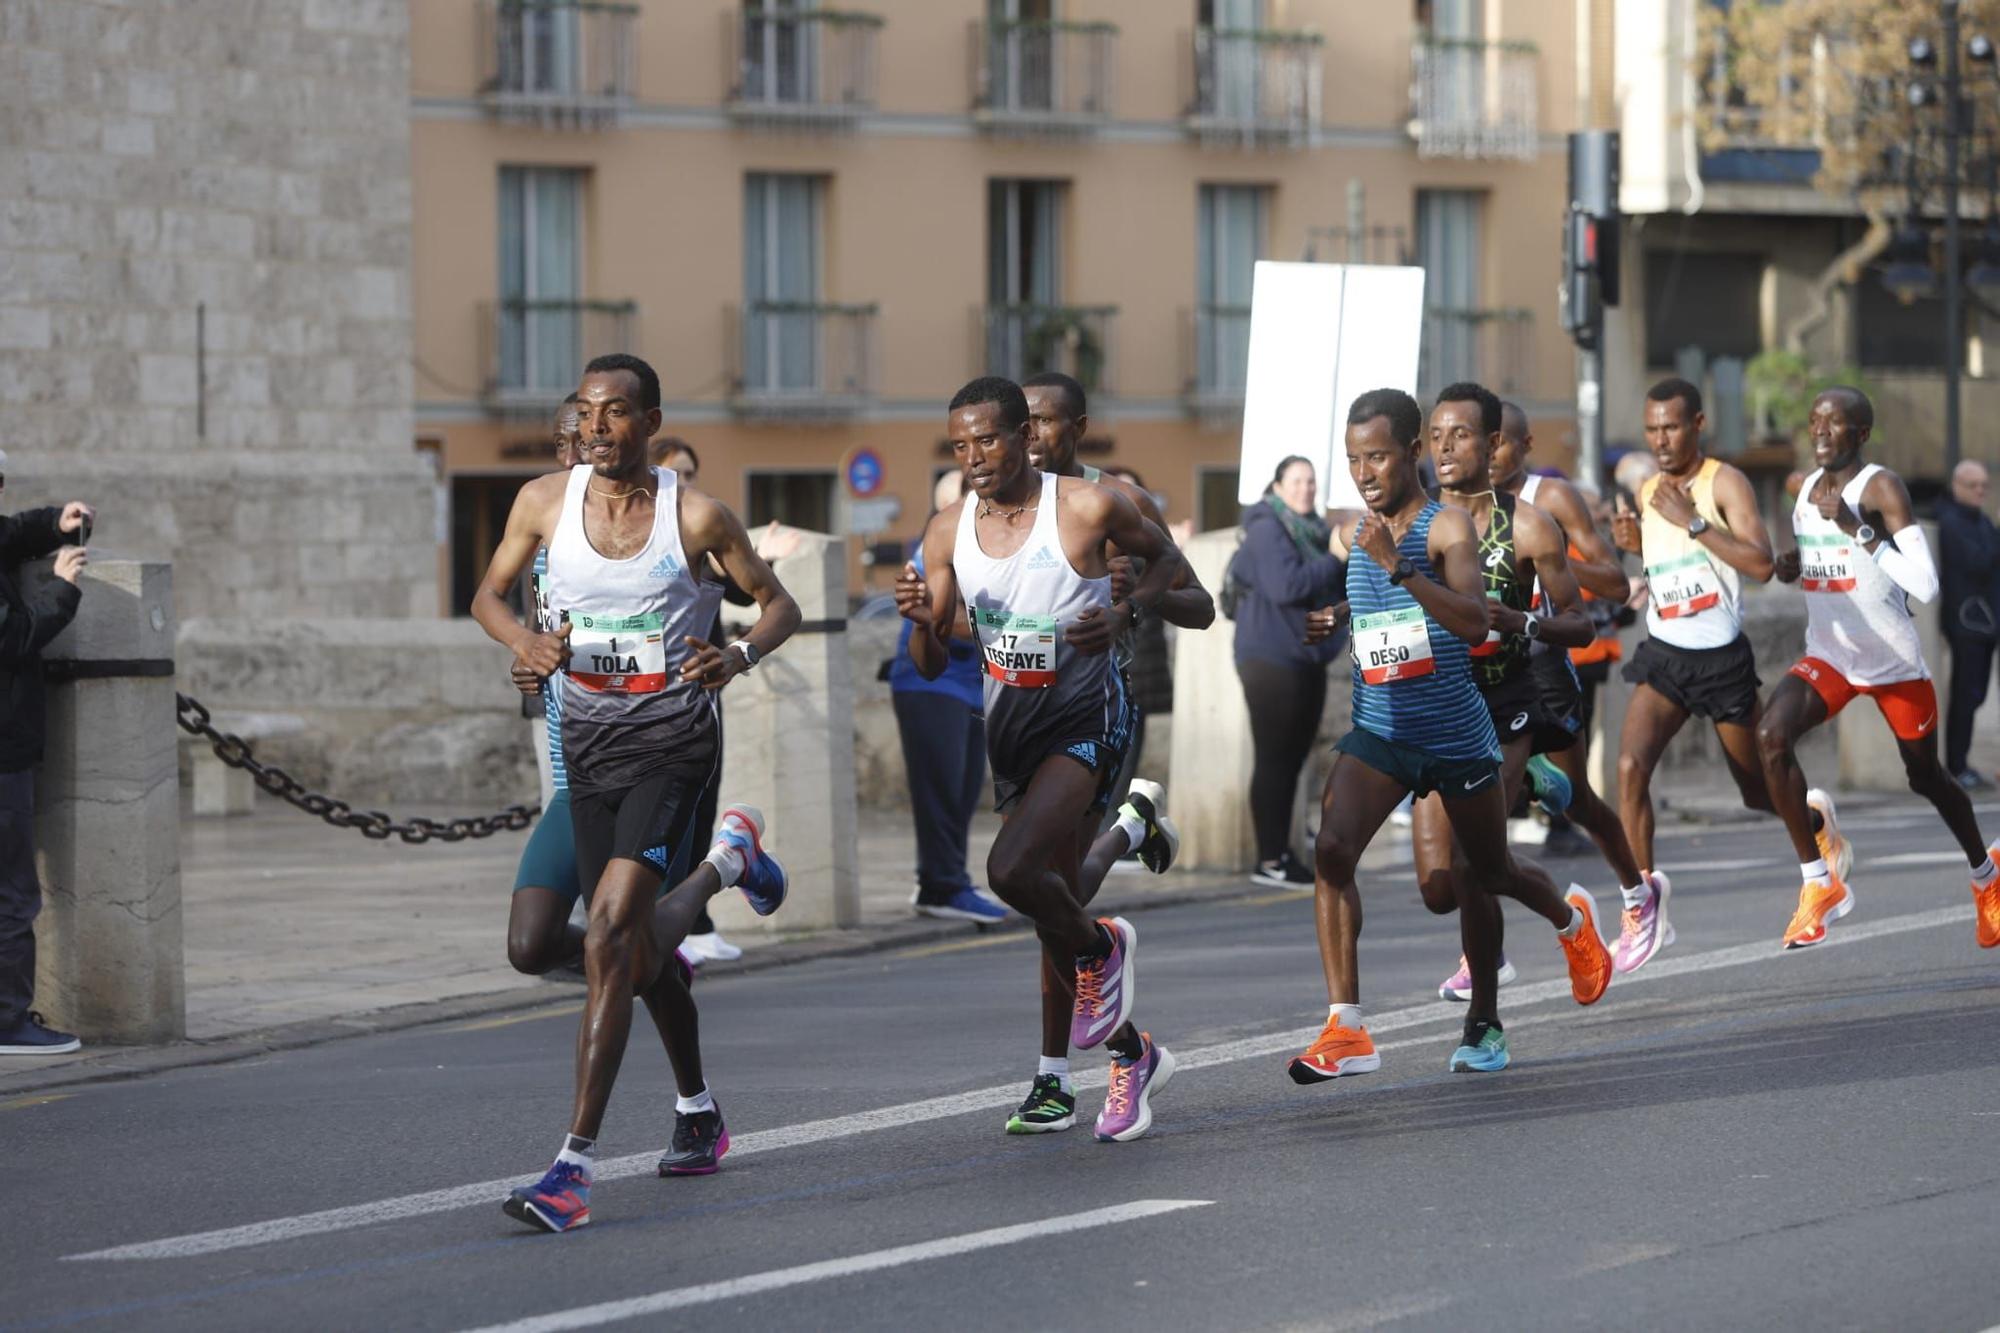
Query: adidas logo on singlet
[[1042, 559], [667, 568]]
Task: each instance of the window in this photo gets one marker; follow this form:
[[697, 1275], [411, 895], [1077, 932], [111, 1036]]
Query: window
[[1229, 241], [781, 282], [1709, 301], [802, 499], [1023, 272], [541, 265], [780, 50], [479, 509], [1232, 59], [1022, 61], [549, 51], [1448, 251], [1215, 498], [1892, 336]]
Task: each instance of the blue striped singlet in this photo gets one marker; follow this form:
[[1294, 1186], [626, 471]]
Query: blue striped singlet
[[1440, 712], [551, 688]]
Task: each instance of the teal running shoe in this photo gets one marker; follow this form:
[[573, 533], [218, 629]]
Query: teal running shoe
[[1549, 785], [1484, 1051]]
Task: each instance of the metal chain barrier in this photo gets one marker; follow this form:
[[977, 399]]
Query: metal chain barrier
[[234, 751]]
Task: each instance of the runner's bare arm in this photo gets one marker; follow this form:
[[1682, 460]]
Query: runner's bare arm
[[1187, 603], [1598, 571], [1900, 547], [1130, 532], [530, 524], [718, 532], [1746, 547], [929, 601], [1546, 547], [1458, 602]]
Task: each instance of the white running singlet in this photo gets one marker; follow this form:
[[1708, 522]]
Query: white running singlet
[[1696, 598], [1857, 619]]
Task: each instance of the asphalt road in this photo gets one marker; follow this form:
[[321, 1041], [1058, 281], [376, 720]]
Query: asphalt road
[[1735, 1137]]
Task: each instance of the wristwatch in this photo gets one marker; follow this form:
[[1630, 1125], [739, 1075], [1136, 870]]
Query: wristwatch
[[1864, 534], [1134, 613], [1403, 570], [1697, 525], [1533, 629], [749, 651]]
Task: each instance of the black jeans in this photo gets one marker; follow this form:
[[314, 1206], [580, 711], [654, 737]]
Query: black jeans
[[20, 896], [1971, 669], [1285, 701], [944, 753]]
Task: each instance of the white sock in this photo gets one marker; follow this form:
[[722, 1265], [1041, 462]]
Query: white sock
[[1057, 1065], [1346, 1015], [1575, 924], [1636, 897], [701, 1101], [578, 1151], [1983, 875], [728, 862], [1133, 827], [1812, 870]]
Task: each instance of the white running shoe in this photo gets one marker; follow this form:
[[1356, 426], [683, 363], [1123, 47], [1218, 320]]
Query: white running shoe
[[710, 948]]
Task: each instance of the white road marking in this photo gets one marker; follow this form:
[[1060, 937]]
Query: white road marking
[[609, 1312], [1674, 868], [1919, 859], [488, 1193]]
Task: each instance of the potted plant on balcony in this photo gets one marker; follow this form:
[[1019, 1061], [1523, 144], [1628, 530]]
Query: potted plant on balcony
[[1782, 385]]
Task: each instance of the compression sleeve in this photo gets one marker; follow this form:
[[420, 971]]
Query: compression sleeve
[[1908, 562]]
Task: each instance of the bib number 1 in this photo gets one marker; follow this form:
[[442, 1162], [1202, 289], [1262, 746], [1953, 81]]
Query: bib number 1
[[618, 654]]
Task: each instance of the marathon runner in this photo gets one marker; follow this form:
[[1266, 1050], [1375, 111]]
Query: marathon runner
[[1860, 557], [1417, 598], [624, 543], [1057, 420], [1522, 556], [1028, 556], [1700, 536]]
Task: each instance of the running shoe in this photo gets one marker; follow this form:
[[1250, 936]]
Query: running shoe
[[1104, 987], [698, 1144], [1484, 1050], [1548, 785], [1834, 847], [1589, 961], [560, 1201], [1336, 1051], [1047, 1109], [1645, 930], [1986, 906], [710, 947], [1458, 986], [964, 903], [763, 880], [1147, 803], [1128, 1109], [1284, 873], [1821, 903]]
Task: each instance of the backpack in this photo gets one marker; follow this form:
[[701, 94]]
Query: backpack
[[1233, 584]]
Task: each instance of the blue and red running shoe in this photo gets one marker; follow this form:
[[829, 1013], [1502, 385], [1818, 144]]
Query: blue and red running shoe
[[560, 1201], [763, 880]]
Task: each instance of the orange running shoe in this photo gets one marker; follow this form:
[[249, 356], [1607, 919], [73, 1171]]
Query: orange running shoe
[[1834, 847], [1336, 1051], [1821, 903], [1986, 906], [1589, 961]]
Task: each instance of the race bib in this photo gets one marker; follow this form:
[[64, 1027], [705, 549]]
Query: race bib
[[1684, 587], [618, 654], [1491, 645], [1020, 650], [1393, 645], [1826, 562]]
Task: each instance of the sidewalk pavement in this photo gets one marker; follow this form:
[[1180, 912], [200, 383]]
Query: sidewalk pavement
[[298, 933]]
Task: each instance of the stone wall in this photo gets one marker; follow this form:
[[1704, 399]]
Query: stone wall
[[248, 159]]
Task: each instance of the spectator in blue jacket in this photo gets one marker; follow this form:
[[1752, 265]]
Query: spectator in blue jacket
[[1284, 568], [943, 726], [1969, 578]]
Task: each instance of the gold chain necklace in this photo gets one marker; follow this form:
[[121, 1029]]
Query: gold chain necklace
[[619, 495], [986, 509]]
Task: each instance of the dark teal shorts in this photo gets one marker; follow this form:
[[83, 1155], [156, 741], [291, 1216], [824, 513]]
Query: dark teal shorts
[[549, 859], [1419, 770]]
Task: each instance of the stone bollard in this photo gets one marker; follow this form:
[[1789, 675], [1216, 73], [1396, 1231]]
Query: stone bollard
[[1209, 790], [107, 827], [788, 738]]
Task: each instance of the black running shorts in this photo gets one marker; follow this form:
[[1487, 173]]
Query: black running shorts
[[652, 821], [1716, 683]]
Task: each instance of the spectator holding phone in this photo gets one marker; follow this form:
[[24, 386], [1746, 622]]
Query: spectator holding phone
[[28, 620]]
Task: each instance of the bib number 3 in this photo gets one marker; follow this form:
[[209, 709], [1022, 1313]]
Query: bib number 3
[[1826, 563]]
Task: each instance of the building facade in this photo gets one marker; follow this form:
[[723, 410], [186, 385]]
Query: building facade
[[818, 223]]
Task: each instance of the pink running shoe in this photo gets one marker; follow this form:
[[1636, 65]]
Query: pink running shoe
[[1646, 929], [1458, 986], [1104, 987], [1128, 1110]]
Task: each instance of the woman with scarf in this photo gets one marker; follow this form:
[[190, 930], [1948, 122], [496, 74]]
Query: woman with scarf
[[1283, 569]]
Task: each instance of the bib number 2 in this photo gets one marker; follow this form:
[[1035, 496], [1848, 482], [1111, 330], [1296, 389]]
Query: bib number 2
[[1684, 587]]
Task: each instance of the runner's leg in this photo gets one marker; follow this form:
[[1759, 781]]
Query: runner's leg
[[1795, 709], [1929, 780], [1588, 810], [1032, 866], [1356, 802], [1651, 721], [539, 935], [1739, 752], [620, 959], [1479, 823]]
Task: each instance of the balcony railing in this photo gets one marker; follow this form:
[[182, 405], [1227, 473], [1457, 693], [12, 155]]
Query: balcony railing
[[1219, 359], [1490, 347], [1473, 99], [801, 66], [1023, 340], [803, 360], [534, 351], [557, 62], [1042, 75], [1254, 86]]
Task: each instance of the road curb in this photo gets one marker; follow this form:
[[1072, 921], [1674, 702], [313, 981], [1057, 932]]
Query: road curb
[[118, 1064]]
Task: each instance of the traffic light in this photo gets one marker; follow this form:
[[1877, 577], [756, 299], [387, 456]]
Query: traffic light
[[1590, 235]]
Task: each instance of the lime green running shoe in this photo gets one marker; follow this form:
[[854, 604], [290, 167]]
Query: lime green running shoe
[[1549, 785], [1484, 1052], [1047, 1109]]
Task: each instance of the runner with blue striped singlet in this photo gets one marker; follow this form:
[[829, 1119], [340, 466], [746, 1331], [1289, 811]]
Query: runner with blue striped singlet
[[1520, 550], [1417, 601]]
